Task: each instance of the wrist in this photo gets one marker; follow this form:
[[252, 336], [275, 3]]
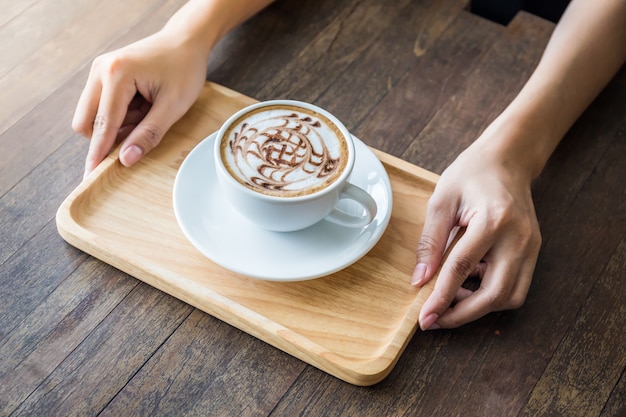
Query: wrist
[[520, 145], [195, 26], [202, 23]]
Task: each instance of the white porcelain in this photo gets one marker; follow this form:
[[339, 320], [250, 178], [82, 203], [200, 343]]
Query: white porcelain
[[229, 239], [288, 214]]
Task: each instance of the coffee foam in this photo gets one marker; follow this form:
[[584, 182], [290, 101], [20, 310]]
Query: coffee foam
[[284, 150]]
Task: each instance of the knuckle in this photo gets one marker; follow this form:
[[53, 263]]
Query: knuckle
[[112, 65], [527, 235], [536, 241], [461, 268], [100, 123], [452, 322], [498, 298], [516, 301], [97, 63], [498, 217], [520, 226], [426, 246], [150, 136], [526, 231], [442, 301], [116, 64], [81, 127], [109, 63], [435, 203]]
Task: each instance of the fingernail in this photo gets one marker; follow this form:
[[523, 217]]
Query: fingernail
[[131, 155], [429, 322], [419, 274]]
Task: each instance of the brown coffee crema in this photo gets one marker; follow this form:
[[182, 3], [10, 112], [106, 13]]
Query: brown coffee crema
[[284, 150]]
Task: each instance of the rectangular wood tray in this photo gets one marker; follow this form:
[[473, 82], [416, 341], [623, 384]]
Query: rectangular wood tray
[[353, 324]]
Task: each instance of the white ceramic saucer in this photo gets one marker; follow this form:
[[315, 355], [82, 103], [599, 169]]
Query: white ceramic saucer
[[219, 232]]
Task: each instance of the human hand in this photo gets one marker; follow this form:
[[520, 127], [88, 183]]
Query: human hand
[[488, 195], [135, 94]]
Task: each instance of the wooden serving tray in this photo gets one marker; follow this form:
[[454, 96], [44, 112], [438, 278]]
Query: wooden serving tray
[[353, 324]]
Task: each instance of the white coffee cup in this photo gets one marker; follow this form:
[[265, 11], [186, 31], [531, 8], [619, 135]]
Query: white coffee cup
[[285, 165]]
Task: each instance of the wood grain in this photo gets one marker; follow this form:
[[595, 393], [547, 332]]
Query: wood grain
[[368, 79], [229, 375], [561, 387], [79, 337], [57, 58], [353, 324], [39, 132], [616, 404], [489, 83], [83, 302], [432, 80], [153, 316], [432, 395]]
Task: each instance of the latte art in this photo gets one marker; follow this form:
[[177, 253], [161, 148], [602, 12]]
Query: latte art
[[285, 151]]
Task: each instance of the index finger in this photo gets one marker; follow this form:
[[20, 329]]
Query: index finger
[[461, 261], [87, 106], [112, 109]]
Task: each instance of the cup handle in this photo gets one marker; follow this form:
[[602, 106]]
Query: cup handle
[[360, 196]]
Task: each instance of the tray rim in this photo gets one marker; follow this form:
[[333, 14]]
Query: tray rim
[[362, 372]]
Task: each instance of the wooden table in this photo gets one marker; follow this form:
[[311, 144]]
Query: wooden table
[[418, 80]]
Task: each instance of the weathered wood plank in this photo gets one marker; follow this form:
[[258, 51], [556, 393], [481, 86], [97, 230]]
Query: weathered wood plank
[[331, 37], [12, 9], [413, 33], [31, 28], [229, 375], [46, 126], [100, 366], [588, 362], [33, 202], [276, 35], [332, 51], [616, 404], [436, 77], [583, 237], [48, 332], [59, 57], [39, 133], [485, 93], [31, 275], [576, 157], [422, 376], [148, 354], [436, 355]]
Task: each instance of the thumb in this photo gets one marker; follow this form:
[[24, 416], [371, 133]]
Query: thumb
[[147, 134]]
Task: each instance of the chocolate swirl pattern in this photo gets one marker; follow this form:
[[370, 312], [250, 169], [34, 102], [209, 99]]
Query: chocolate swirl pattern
[[283, 151]]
